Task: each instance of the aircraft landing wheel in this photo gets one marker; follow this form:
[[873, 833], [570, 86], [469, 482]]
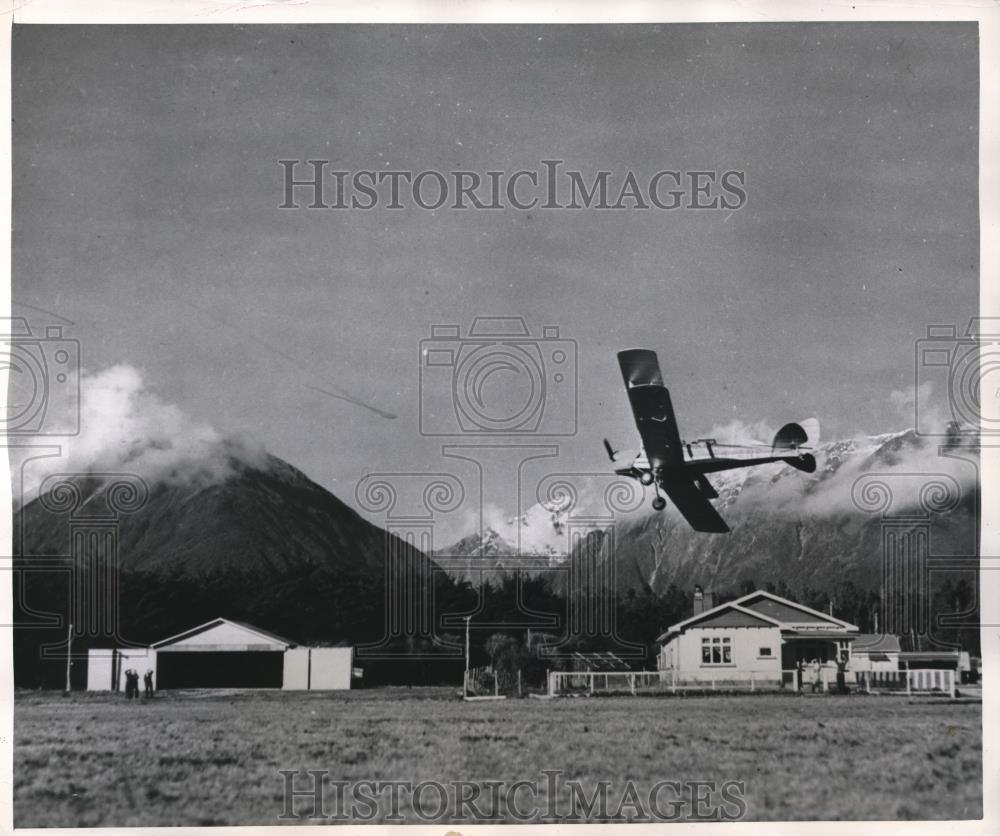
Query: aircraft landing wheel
[[659, 503]]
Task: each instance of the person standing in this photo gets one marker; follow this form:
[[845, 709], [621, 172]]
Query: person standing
[[148, 680], [818, 676], [842, 674]]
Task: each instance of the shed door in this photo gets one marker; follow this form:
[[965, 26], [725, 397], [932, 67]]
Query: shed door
[[219, 669]]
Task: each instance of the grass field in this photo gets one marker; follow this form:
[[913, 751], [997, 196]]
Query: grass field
[[190, 758]]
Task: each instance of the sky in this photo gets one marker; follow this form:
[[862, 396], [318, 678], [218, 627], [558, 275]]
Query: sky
[[146, 221]]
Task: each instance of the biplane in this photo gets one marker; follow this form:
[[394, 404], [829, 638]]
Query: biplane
[[678, 468]]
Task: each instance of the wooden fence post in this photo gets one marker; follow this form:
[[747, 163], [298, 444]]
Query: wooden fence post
[[69, 658]]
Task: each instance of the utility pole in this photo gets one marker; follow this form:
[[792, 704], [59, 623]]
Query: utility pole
[[465, 691], [69, 655]]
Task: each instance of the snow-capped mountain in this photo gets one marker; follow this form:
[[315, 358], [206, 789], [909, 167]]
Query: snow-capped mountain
[[534, 541], [785, 523], [814, 530]]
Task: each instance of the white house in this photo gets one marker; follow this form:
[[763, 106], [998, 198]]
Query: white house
[[224, 654], [754, 637]]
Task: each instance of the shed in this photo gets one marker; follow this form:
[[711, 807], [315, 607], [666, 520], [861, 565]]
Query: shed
[[224, 654], [930, 659], [875, 652], [221, 654]]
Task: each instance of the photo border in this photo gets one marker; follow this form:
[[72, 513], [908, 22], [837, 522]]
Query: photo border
[[581, 11]]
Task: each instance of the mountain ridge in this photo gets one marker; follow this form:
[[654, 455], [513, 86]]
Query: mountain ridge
[[783, 521]]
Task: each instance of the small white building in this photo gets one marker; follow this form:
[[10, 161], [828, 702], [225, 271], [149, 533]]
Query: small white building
[[755, 637], [106, 668], [875, 653], [224, 654]]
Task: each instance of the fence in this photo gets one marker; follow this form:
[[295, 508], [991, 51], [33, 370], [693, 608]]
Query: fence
[[608, 682], [634, 682], [673, 681], [918, 681], [481, 681]]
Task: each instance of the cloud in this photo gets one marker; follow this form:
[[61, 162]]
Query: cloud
[[738, 432], [906, 401], [126, 428], [905, 463], [539, 530]]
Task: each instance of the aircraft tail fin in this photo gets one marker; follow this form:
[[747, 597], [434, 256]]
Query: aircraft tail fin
[[792, 436]]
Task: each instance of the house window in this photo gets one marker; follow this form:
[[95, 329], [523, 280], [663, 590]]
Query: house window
[[764, 652], [717, 650]]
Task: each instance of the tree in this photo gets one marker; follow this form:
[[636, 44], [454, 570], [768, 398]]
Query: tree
[[507, 656]]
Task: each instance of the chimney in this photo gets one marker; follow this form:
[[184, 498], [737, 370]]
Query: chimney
[[703, 600]]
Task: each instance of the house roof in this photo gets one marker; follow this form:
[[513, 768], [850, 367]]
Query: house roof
[[218, 622], [769, 608], [929, 656], [876, 643], [715, 617], [266, 633], [789, 612], [735, 616]]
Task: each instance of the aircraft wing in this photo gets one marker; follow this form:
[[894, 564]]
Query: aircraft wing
[[654, 416], [640, 367], [694, 506]]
